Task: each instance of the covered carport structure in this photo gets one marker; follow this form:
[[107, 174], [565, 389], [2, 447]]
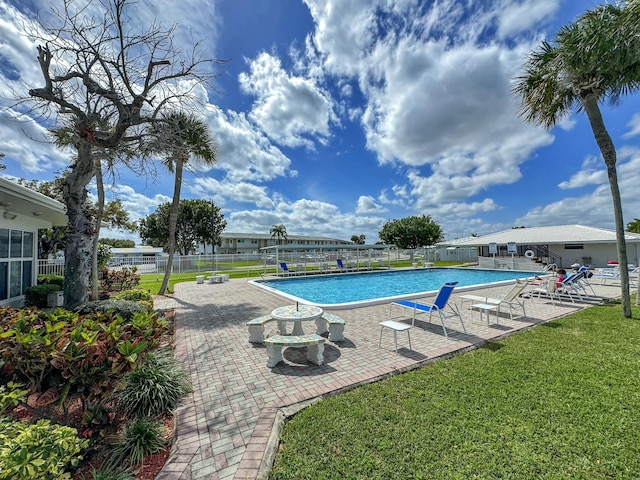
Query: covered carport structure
[[314, 254]]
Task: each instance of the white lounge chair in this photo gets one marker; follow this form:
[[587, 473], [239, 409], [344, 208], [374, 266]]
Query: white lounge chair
[[511, 299]]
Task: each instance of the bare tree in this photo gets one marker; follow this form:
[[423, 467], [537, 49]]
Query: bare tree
[[109, 82]]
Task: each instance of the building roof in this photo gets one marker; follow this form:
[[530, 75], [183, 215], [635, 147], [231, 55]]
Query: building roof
[[347, 246], [15, 198], [138, 249], [544, 236], [267, 236]]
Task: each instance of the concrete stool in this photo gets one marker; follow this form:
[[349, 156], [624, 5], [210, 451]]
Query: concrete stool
[[199, 278], [396, 327]]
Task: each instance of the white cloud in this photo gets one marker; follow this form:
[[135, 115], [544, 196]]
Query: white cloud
[[243, 152], [367, 204], [593, 172], [26, 142], [519, 16], [291, 110], [634, 126], [223, 191], [595, 208]]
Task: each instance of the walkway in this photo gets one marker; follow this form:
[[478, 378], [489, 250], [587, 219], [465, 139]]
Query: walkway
[[228, 427]]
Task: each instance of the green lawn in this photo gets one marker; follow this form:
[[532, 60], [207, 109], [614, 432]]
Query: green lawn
[[559, 401]]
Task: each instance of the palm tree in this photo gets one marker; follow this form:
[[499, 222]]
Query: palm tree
[[180, 136], [278, 231], [590, 61]]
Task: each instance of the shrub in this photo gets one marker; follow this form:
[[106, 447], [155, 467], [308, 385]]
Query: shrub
[[141, 437], [76, 354], [123, 279], [11, 395], [136, 295], [125, 308], [28, 340], [155, 386], [51, 280], [36, 296], [109, 474], [41, 450]]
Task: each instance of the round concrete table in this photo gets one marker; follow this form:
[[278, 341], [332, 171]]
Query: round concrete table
[[296, 314]]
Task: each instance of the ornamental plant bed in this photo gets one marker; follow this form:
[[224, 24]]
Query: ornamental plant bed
[[86, 367]]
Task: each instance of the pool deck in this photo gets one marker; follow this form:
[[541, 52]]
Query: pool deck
[[228, 427]]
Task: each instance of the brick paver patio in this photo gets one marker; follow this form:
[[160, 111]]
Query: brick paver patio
[[228, 427]]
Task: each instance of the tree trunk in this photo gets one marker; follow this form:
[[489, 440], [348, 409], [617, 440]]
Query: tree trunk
[[173, 221], [608, 151], [77, 260], [99, 213]]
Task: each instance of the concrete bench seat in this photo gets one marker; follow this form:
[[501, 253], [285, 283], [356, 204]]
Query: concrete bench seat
[[313, 342], [256, 328], [333, 324], [218, 278]]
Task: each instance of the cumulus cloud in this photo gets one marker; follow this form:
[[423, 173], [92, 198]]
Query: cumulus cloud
[[591, 173], [225, 191], [291, 110], [634, 127], [243, 151], [367, 204], [516, 17]]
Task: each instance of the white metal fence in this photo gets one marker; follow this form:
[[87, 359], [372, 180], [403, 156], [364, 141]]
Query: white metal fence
[[263, 261]]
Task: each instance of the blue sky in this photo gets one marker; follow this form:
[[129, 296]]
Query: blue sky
[[332, 117]]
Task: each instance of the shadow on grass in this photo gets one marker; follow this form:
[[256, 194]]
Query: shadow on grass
[[492, 346]]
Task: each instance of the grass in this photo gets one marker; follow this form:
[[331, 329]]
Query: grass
[[559, 401]]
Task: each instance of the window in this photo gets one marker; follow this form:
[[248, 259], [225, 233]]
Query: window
[[574, 246], [4, 243], [16, 275], [16, 244]]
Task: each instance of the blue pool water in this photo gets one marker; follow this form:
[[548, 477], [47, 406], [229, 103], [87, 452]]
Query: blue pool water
[[379, 287]]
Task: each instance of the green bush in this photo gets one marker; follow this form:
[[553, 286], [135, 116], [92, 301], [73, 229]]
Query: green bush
[[51, 280], [123, 279], [125, 308], [136, 295], [104, 473], [11, 395], [155, 386], [87, 355], [141, 437], [36, 296], [41, 450]]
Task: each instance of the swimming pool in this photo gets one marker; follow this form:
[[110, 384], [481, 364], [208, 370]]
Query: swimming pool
[[370, 288]]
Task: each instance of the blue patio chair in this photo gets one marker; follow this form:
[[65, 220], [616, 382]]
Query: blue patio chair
[[441, 306], [286, 270], [341, 266]]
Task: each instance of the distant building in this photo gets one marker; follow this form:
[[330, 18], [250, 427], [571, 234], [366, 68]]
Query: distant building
[[562, 245], [251, 243], [143, 251], [23, 212]]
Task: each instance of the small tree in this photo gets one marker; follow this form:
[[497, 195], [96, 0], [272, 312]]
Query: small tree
[[192, 215], [634, 226], [106, 82], [358, 239], [117, 242], [411, 232]]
